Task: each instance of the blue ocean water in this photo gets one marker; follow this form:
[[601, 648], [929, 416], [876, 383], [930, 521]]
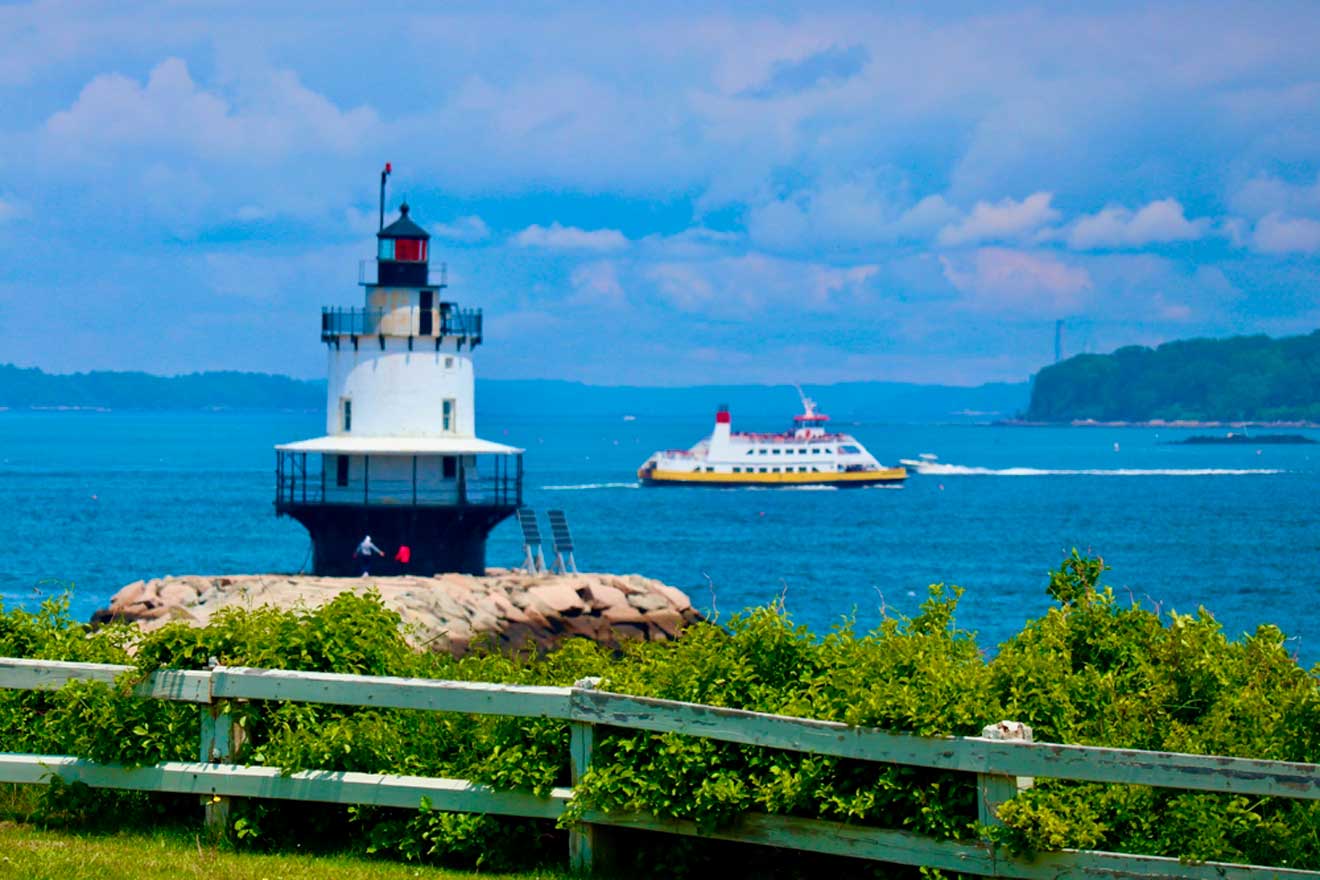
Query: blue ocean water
[[93, 501]]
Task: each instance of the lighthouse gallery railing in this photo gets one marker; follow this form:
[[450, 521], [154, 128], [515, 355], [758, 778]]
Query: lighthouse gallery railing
[[489, 481], [443, 321]]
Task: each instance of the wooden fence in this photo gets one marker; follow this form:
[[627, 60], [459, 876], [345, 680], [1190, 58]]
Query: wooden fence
[[1002, 766]]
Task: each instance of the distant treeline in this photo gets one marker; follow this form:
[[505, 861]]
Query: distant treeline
[[1247, 378], [32, 388], [754, 406]]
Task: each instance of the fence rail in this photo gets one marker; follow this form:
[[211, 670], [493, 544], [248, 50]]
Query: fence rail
[[998, 765]]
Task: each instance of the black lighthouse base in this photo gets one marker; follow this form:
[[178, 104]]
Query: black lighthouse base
[[441, 539]]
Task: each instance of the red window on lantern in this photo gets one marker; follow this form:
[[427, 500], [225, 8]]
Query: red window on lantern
[[408, 249]]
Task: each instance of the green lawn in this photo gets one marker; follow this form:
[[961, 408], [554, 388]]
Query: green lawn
[[34, 854]]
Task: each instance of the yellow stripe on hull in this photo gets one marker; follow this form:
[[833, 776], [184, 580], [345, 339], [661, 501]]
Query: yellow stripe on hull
[[847, 478]]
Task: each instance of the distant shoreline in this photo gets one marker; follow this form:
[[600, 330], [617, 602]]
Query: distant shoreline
[[1154, 423]]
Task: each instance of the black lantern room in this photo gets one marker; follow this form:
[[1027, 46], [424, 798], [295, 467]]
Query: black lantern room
[[402, 252]]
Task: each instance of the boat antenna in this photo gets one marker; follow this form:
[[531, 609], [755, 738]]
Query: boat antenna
[[808, 405]]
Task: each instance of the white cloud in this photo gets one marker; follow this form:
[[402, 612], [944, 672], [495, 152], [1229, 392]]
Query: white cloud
[[738, 286], [10, 209], [1002, 220], [465, 229], [1270, 195], [1014, 282], [280, 116], [684, 285], [1234, 229], [1157, 223], [1170, 311], [926, 216], [1277, 234], [597, 283], [849, 214], [559, 237]]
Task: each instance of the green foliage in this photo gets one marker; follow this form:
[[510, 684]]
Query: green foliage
[[1091, 670], [1246, 377]]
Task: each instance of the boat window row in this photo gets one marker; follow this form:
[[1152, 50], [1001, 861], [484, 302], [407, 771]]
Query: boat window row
[[772, 470], [789, 451]]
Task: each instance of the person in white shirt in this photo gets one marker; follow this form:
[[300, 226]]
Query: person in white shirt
[[364, 552]]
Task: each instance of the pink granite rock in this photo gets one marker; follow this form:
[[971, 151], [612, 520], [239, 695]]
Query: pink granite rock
[[509, 610]]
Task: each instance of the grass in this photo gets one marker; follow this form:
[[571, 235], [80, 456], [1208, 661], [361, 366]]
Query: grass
[[32, 853]]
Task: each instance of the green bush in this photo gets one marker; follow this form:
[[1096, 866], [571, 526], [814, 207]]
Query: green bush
[[1092, 670]]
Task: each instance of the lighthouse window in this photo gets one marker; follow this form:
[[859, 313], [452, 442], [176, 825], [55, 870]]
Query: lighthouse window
[[341, 470], [447, 416], [385, 249], [449, 363], [410, 249], [346, 414]]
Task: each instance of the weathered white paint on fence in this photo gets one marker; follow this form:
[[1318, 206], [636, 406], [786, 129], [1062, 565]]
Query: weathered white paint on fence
[[974, 857], [993, 790], [1159, 769], [584, 849], [587, 708], [434, 695], [228, 780], [776, 731], [50, 675], [221, 738], [966, 754]]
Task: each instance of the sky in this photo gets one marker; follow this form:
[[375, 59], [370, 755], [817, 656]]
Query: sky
[[690, 193]]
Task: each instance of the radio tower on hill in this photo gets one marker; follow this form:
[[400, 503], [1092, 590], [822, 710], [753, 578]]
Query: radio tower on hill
[[1058, 340]]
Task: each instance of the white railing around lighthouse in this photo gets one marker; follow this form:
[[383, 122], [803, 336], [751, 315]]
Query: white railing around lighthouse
[[305, 479], [444, 320]]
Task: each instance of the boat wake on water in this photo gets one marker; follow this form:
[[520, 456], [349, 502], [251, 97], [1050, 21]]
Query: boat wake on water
[[584, 486], [957, 470]]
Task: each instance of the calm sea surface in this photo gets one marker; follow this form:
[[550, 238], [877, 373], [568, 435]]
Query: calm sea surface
[[93, 501]]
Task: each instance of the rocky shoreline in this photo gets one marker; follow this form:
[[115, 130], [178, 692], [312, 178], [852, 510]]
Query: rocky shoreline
[[511, 610]]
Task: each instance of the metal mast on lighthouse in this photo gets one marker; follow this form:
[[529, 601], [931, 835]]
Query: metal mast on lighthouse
[[400, 461]]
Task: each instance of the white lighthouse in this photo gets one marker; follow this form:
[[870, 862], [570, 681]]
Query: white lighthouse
[[400, 460]]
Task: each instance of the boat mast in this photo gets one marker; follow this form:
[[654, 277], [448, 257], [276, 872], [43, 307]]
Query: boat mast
[[808, 405]]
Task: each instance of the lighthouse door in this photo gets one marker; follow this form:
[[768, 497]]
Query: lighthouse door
[[424, 314]]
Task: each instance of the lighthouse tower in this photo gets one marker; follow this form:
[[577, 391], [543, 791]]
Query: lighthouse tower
[[400, 460]]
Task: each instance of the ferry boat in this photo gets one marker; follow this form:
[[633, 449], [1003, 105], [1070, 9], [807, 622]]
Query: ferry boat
[[806, 455]]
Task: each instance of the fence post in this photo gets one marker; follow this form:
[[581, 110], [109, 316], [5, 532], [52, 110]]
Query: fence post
[[220, 740], [992, 790], [585, 854]]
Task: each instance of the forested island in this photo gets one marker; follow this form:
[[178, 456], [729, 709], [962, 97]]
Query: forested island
[[766, 405], [32, 388], [1241, 379]]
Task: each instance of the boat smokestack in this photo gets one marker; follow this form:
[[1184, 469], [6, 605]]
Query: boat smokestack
[[719, 439]]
